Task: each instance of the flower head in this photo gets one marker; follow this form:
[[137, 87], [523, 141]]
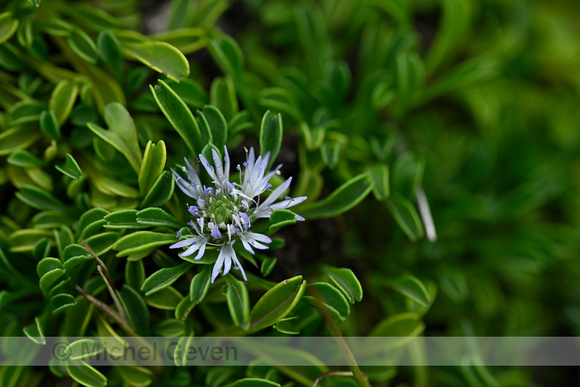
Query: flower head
[[224, 213]]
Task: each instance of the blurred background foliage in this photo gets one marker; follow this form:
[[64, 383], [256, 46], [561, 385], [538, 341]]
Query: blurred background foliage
[[473, 105]]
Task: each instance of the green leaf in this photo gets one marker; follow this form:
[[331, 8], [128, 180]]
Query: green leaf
[[35, 332], [161, 191], [91, 221], [152, 165], [135, 274], [217, 125], [83, 45], [121, 134], [39, 198], [343, 199], [406, 216], [238, 302], [123, 219], [331, 154], [110, 50], [227, 54], [101, 243], [191, 92], [161, 57], [17, 138], [178, 115], [156, 217], [223, 97], [61, 302], [140, 241], [166, 299], [8, 26], [280, 218], [24, 159], [164, 277], [170, 328], [74, 251], [276, 303], [136, 376], [346, 282], [71, 168], [200, 284], [271, 133], [84, 348], [411, 288], [379, 175], [404, 325], [253, 382], [85, 374], [267, 266], [49, 279], [330, 297], [48, 264], [184, 307], [136, 309], [61, 103]]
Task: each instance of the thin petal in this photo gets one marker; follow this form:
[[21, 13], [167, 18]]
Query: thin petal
[[208, 168], [239, 266], [200, 253], [228, 260], [218, 165], [191, 250], [226, 163], [183, 243], [247, 246], [217, 266], [258, 237], [276, 193]]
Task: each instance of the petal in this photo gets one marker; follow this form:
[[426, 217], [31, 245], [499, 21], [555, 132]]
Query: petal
[[226, 163], [217, 266], [183, 243], [287, 203], [200, 253], [218, 165], [208, 168], [239, 266], [227, 262], [247, 246], [258, 237], [191, 250], [276, 193]]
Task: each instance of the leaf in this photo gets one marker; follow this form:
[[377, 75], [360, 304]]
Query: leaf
[[74, 251], [62, 101], [200, 284], [140, 241], [135, 308], [280, 218], [39, 198], [152, 165], [330, 297], [48, 264], [253, 382], [223, 97], [49, 124], [156, 217], [161, 57], [17, 138], [238, 302], [83, 45], [184, 307], [91, 221], [170, 328], [136, 376], [123, 219], [164, 277], [411, 288], [61, 302], [276, 303], [71, 168], [191, 92], [217, 125], [227, 54], [85, 374], [271, 133], [178, 115], [35, 332], [166, 299], [346, 282], [121, 134], [24, 159], [379, 175], [135, 274], [267, 266], [83, 348], [406, 216], [343, 199], [101, 243], [161, 191], [8, 26], [404, 325], [49, 279], [110, 50]]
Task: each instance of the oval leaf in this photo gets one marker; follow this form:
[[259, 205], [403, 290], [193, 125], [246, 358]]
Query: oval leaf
[[161, 57], [346, 282], [271, 133], [164, 277]]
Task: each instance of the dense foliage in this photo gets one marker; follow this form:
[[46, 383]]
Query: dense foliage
[[436, 142]]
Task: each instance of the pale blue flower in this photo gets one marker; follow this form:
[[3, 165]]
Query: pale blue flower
[[225, 212]]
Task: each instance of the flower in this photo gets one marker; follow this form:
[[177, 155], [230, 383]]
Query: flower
[[223, 214]]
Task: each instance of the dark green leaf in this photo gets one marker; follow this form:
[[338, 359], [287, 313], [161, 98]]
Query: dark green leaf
[[280, 218], [49, 279], [238, 302], [379, 175], [61, 103], [271, 133], [223, 97], [343, 199], [71, 168], [217, 125], [61, 302], [35, 332], [411, 288], [101, 243], [110, 50], [152, 165], [8, 26], [227, 55], [156, 217], [267, 266], [276, 303], [24, 159], [253, 382], [167, 298], [39, 198], [200, 284], [330, 297], [135, 274], [17, 138], [123, 219], [161, 191], [46, 265], [91, 221], [406, 216], [142, 240], [179, 115], [84, 348], [135, 308], [85, 374], [346, 282], [161, 57], [164, 277], [49, 124], [83, 45]]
